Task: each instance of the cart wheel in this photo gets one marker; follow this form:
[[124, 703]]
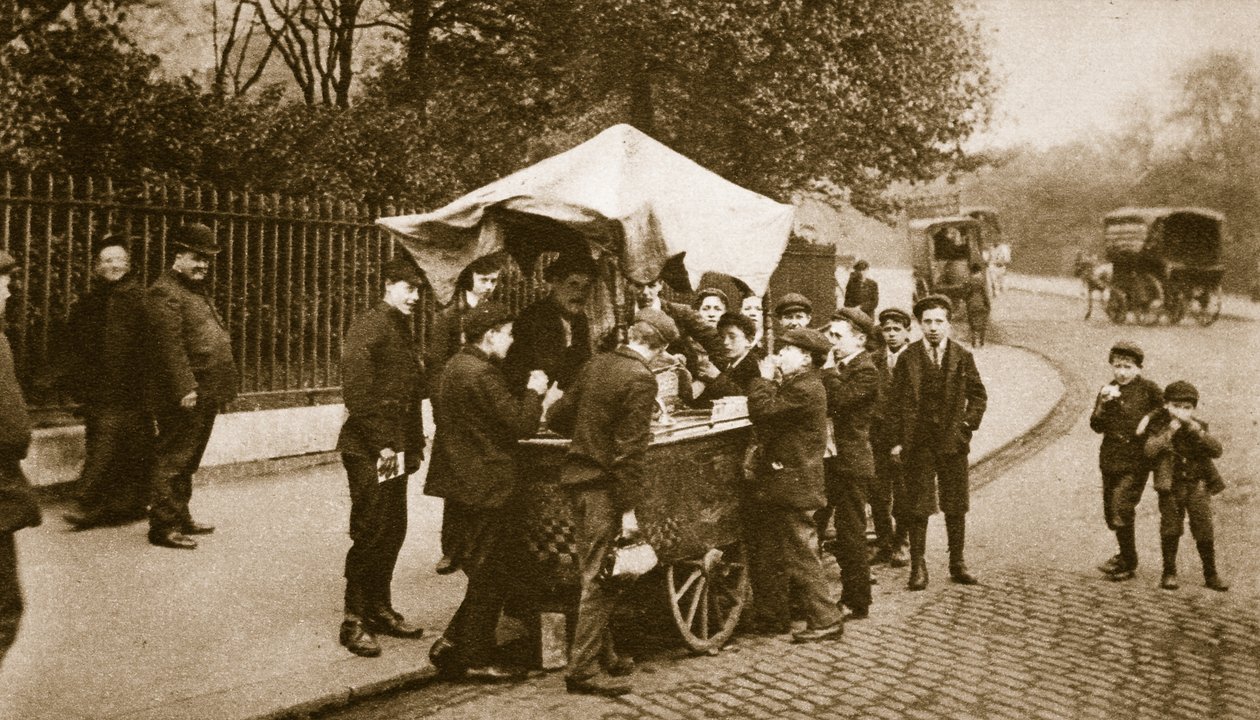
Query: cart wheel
[[1175, 303], [1117, 306], [708, 595], [1148, 299], [1207, 306]]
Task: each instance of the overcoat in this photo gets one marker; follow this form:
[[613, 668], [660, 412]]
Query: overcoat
[[791, 423], [861, 292], [1117, 422], [1183, 455], [735, 379], [478, 423], [104, 353], [852, 395], [539, 344], [882, 436], [608, 413], [18, 507], [383, 387], [964, 404], [445, 337], [189, 346]]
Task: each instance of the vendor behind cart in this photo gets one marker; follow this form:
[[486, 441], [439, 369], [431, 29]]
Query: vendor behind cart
[[553, 334]]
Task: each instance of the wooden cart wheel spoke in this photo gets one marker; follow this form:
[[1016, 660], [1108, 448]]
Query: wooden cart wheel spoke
[[695, 601], [707, 608], [704, 614], [691, 579]]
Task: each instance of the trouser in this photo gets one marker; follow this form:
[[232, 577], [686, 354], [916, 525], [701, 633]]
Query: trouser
[[181, 440], [884, 496], [785, 557], [1186, 500], [485, 538], [847, 496], [116, 466], [978, 323], [931, 474], [10, 594], [599, 525], [378, 526], [1121, 493]]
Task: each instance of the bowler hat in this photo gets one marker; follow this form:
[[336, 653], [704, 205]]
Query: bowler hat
[[927, 302], [810, 341], [856, 318], [861, 265], [400, 269], [195, 237], [663, 324], [7, 263], [1129, 350], [1181, 391], [793, 301], [894, 314], [484, 318]]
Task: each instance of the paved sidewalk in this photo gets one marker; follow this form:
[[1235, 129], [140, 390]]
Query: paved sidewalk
[[245, 626]]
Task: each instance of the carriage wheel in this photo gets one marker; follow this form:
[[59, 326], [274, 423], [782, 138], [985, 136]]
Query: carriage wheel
[[1117, 306], [707, 596], [1207, 306], [1175, 303], [1148, 299]]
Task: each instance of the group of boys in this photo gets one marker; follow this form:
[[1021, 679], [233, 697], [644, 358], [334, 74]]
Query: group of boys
[[1148, 432]]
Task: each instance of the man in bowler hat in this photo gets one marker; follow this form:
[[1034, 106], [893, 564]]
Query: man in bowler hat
[[381, 443], [938, 401], [192, 376], [18, 508]]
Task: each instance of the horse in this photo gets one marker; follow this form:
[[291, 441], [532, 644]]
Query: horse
[[1095, 276]]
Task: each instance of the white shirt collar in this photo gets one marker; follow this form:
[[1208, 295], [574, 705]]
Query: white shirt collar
[[849, 358]]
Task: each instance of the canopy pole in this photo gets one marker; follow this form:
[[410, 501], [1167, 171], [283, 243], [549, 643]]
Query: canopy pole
[[767, 324], [621, 310]]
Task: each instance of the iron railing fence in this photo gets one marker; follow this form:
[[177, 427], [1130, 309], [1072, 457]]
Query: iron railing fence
[[292, 274]]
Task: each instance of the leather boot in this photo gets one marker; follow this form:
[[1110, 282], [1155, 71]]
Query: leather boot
[[1211, 580], [1168, 548], [1127, 568], [918, 555], [956, 531], [896, 555]]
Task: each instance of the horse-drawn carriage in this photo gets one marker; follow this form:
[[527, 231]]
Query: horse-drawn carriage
[[944, 249], [1166, 262]]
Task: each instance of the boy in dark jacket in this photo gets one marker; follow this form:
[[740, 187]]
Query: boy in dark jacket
[[1182, 451], [1120, 406]]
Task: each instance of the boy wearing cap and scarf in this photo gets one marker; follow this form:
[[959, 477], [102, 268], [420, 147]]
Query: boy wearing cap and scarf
[[608, 413], [1182, 450], [192, 376], [789, 415], [887, 491], [473, 468], [18, 508], [938, 401], [1120, 406], [383, 386]]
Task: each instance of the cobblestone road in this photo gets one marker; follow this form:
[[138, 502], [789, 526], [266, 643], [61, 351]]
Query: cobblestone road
[[1044, 636]]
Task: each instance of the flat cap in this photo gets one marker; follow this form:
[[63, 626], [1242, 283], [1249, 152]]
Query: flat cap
[[712, 292], [894, 314], [663, 324], [861, 265], [195, 237], [484, 318], [806, 339], [793, 301], [400, 269], [858, 319], [1130, 350], [927, 302], [7, 263], [1181, 391]]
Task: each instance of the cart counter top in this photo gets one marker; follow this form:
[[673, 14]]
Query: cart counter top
[[684, 426]]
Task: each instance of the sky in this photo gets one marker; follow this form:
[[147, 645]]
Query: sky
[[1073, 67]]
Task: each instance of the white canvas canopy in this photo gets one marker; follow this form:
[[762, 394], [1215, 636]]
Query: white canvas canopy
[[628, 196]]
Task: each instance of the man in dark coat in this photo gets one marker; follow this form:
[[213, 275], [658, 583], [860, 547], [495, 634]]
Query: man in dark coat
[[861, 292], [474, 286], [383, 386], [852, 393], [105, 372], [887, 493], [938, 401], [473, 468], [738, 334], [790, 418], [608, 413], [553, 334], [192, 376], [18, 508]]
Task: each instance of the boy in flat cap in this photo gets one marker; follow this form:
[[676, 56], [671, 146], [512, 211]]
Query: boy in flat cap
[[738, 334], [1120, 406], [793, 311], [104, 371], [383, 386], [473, 468], [192, 376], [1182, 450], [788, 408], [886, 492], [852, 384], [608, 413], [18, 507], [938, 401]]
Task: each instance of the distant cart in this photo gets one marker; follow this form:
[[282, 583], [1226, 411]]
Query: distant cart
[[943, 249], [1167, 262]]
